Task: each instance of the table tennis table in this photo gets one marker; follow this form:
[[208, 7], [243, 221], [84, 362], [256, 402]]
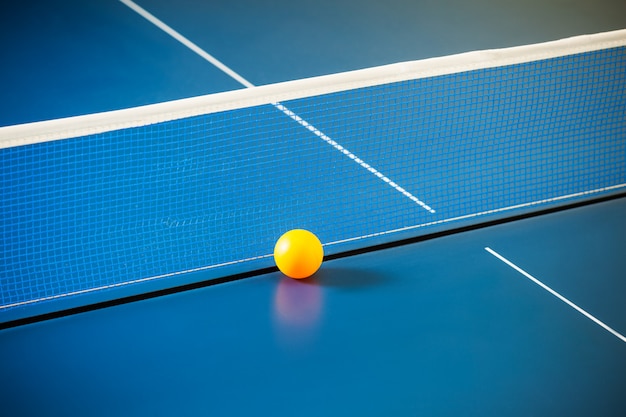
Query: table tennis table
[[435, 297]]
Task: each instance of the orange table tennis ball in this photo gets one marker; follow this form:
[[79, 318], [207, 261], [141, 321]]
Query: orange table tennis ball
[[298, 253]]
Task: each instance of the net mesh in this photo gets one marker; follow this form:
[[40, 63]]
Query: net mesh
[[102, 210]]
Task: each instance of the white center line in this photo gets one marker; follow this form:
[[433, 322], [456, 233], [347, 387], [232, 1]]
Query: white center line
[[234, 75], [350, 155], [557, 295], [180, 38]]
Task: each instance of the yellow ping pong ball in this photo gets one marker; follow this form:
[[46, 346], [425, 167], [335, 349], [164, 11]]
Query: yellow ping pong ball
[[298, 253]]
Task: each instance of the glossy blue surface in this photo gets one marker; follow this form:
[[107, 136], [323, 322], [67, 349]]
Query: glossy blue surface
[[438, 328]]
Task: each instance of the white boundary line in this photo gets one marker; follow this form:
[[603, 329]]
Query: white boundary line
[[71, 127], [557, 295]]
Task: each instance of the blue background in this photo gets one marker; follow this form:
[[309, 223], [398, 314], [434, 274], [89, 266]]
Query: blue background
[[435, 328]]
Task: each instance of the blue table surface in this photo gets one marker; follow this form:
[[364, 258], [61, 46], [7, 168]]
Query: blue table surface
[[434, 328]]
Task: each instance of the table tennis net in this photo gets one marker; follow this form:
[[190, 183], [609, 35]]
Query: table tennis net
[[358, 166]]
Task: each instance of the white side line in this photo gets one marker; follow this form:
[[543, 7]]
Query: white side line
[[228, 71], [556, 294]]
